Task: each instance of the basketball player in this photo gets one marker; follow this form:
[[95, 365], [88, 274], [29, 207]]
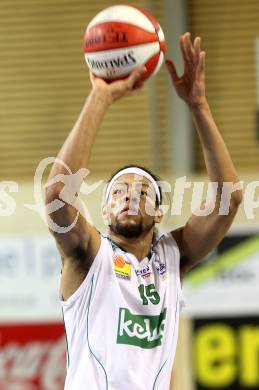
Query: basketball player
[[121, 294]]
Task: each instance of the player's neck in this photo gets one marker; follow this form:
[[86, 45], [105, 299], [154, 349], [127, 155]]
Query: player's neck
[[139, 247]]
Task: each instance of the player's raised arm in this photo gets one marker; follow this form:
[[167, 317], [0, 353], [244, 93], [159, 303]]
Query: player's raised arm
[[202, 233], [79, 245]]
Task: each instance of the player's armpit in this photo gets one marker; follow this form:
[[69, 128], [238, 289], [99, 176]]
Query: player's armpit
[[200, 236], [78, 250], [77, 241]]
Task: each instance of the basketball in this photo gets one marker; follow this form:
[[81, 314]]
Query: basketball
[[120, 38]]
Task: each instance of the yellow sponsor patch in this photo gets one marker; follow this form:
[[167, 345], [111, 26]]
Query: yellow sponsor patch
[[121, 268]]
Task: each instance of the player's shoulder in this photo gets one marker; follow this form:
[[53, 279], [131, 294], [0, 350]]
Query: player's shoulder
[[167, 245], [107, 247], [166, 239]]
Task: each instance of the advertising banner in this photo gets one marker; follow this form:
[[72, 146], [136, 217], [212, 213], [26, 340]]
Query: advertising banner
[[227, 282], [32, 356], [32, 341], [222, 297], [226, 353]]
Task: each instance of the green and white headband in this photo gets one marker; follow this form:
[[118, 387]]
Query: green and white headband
[[136, 171]]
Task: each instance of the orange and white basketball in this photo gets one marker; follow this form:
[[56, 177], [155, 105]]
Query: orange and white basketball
[[121, 37]]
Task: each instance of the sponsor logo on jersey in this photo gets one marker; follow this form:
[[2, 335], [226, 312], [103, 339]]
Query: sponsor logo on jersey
[[140, 330], [161, 268], [144, 272], [121, 267]]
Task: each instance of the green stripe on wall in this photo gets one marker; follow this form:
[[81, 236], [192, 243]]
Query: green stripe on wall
[[223, 262]]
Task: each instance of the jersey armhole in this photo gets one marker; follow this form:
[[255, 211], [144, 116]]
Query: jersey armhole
[[93, 269], [177, 259]]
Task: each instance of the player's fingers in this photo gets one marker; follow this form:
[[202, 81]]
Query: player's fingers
[[183, 49], [201, 65], [92, 77], [172, 70], [135, 76], [186, 47], [189, 47], [197, 47], [139, 85]]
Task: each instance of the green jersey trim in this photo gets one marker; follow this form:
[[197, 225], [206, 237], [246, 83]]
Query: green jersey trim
[[68, 357], [175, 314], [158, 375], [115, 245], [92, 353]]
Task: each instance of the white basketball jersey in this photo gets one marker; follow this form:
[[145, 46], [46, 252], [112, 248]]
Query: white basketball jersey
[[122, 322]]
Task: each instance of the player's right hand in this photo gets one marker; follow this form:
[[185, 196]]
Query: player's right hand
[[191, 85], [119, 88]]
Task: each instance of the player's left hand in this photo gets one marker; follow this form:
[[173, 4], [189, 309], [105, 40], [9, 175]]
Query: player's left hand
[[191, 85], [119, 88]]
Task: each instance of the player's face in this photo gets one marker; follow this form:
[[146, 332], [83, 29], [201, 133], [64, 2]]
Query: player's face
[[132, 206]]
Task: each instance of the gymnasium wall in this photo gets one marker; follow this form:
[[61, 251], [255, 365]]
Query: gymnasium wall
[[223, 304], [44, 83], [229, 30]]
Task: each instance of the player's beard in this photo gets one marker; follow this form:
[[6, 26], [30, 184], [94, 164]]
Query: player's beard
[[130, 230]]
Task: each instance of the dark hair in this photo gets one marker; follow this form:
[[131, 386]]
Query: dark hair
[[155, 177]]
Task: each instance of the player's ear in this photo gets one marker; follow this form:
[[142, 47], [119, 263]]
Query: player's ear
[[159, 215], [105, 214]]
